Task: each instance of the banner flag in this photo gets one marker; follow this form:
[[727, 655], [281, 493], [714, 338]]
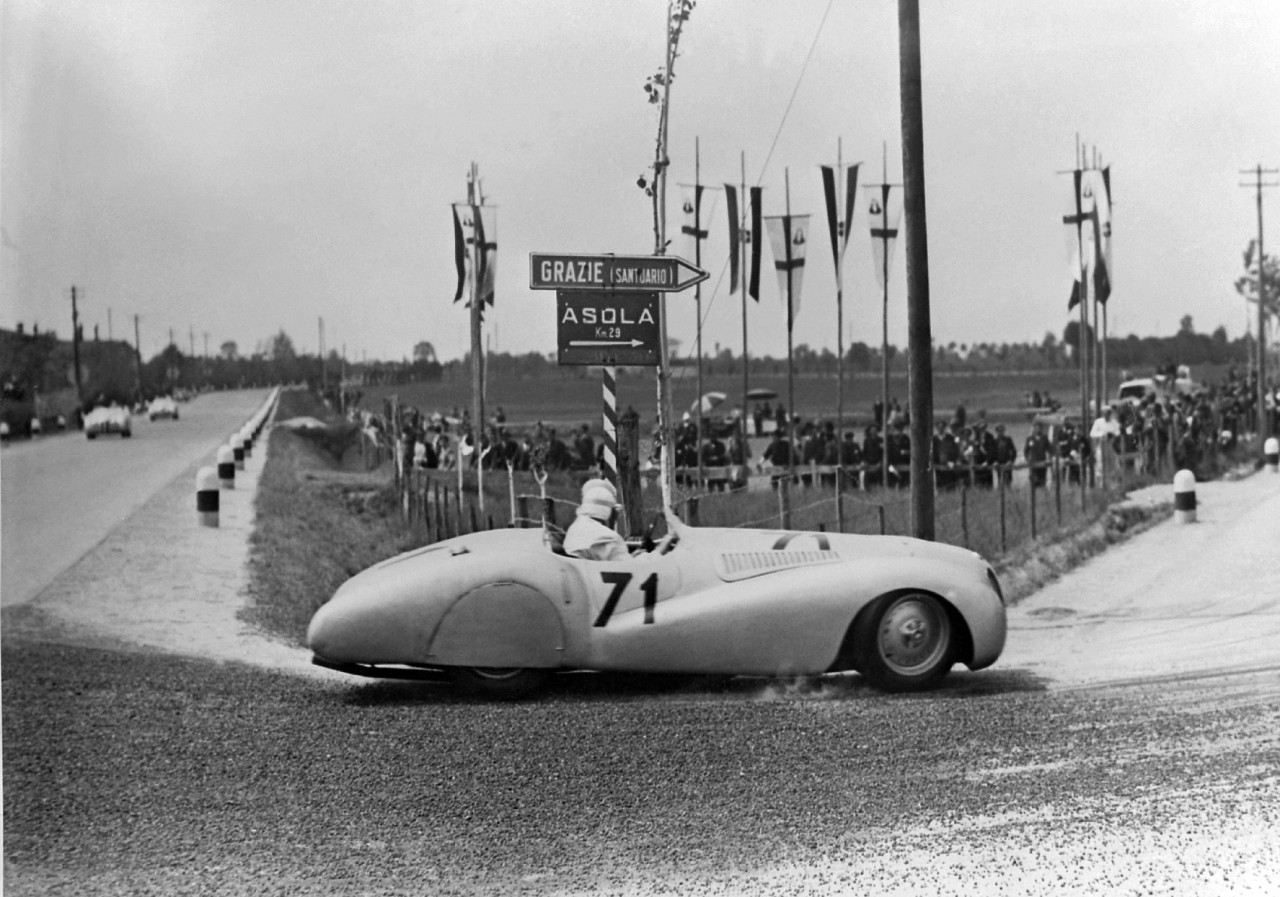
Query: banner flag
[[884, 208], [840, 227], [459, 254], [735, 239], [1078, 251], [691, 204], [833, 216], [1102, 234], [788, 235], [486, 252], [756, 237]]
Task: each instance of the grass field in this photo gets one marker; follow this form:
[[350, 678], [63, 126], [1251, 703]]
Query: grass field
[[572, 396]]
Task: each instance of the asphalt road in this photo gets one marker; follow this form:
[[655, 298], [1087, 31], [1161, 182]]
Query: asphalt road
[[1128, 742], [61, 495]]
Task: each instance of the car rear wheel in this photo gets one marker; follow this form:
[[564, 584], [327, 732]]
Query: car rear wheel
[[505, 683], [905, 642]]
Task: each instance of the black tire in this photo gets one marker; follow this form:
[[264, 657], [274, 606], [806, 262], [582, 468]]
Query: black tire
[[905, 642], [502, 683]]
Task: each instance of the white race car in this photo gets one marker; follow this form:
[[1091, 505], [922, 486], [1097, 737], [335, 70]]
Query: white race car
[[499, 611], [162, 406], [113, 419]]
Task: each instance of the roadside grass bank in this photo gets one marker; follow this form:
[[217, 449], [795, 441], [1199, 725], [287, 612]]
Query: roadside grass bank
[[317, 523]]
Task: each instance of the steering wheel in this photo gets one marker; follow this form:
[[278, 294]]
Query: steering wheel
[[646, 542], [667, 542]]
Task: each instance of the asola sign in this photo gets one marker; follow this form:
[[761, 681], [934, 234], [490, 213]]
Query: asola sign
[[621, 273], [607, 328]]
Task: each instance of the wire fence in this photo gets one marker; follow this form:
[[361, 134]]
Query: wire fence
[[991, 509]]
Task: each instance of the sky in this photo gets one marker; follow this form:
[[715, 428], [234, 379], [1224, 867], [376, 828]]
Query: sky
[[233, 168]]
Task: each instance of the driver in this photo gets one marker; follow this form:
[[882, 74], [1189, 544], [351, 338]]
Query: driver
[[591, 535]]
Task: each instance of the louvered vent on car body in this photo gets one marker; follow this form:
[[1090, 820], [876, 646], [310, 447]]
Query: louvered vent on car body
[[735, 565]]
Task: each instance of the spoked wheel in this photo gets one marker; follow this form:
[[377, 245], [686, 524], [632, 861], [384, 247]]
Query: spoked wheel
[[905, 642], [504, 683]]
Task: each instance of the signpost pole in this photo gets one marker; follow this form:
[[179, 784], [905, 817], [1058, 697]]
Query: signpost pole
[[609, 455]]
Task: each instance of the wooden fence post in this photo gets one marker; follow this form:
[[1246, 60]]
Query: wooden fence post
[[1033, 510], [522, 515], [964, 512], [1000, 475], [1057, 488], [880, 508], [691, 510], [784, 502]]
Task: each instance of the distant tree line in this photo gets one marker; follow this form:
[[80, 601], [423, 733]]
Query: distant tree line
[[34, 364]]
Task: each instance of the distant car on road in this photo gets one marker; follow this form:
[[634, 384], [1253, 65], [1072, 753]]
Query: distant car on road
[[112, 419], [500, 611], [162, 407]]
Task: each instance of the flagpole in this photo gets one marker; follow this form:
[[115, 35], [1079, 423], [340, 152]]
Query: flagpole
[[697, 289], [791, 386], [743, 274], [884, 317], [839, 180], [1083, 342], [476, 198], [1093, 295]]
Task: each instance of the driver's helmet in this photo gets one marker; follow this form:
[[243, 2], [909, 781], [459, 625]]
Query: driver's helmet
[[599, 500]]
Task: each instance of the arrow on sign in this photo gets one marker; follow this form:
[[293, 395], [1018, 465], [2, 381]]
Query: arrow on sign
[[606, 342]]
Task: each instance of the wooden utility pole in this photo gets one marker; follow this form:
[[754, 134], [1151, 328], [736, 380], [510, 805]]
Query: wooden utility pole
[[920, 336], [137, 353], [75, 344], [1264, 422], [324, 378]]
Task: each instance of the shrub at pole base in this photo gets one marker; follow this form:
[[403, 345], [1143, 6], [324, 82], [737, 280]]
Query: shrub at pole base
[[1184, 496], [207, 498]]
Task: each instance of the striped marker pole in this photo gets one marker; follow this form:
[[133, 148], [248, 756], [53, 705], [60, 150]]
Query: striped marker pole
[[610, 453], [246, 438], [207, 496], [227, 467], [1271, 449], [1184, 496]]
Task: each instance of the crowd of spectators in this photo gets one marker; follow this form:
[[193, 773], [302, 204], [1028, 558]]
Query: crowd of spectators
[[1160, 430]]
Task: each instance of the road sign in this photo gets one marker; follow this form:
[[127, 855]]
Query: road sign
[[620, 273], [607, 328]]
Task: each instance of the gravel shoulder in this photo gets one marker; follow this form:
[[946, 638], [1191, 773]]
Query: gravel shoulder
[[162, 581]]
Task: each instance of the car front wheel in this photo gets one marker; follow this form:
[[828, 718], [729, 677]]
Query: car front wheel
[[503, 683], [905, 642]]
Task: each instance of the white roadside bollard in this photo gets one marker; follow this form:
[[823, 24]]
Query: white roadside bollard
[[35, 426], [237, 448], [207, 499], [227, 467], [1184, 496], [246, 438], [1271, 450]]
